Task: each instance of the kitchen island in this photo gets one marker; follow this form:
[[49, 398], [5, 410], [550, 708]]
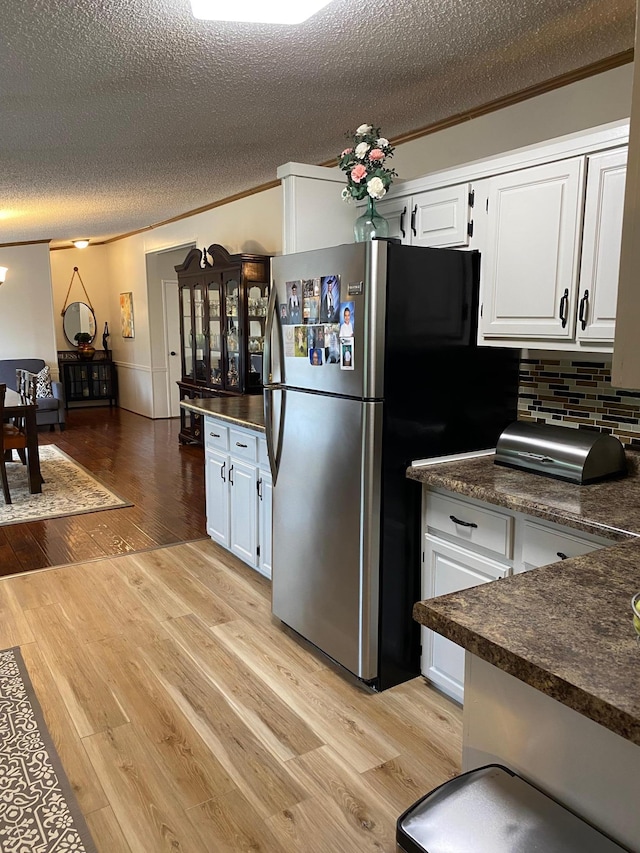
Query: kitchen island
[[552, 686]]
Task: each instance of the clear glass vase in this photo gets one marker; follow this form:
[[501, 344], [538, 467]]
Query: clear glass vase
[[370, 225]]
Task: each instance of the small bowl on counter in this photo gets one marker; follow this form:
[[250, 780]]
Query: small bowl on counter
[[635, 607]]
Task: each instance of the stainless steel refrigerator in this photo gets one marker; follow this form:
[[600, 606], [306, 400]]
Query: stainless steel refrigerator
[[371, 362]]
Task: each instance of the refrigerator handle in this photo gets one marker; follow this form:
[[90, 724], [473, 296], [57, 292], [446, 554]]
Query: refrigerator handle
[[274, 448], [273, 321]]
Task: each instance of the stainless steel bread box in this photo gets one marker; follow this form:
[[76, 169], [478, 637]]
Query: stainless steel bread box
[[578, 455]]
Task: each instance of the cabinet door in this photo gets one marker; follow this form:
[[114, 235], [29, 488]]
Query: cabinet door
[[530, 266], [257, 299], [446, 569], [441, 217], [187, 332], [217, 496], [397, 212], [200, 346], [602, 236], [233, 363], [265, 492], [243, 477], [215, 335]]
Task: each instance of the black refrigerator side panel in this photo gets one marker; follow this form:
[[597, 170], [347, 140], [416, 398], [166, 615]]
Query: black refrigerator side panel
[[443, 395], [432, 296]]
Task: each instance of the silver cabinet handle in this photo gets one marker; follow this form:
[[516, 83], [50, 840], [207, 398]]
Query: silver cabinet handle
[[463, 523]]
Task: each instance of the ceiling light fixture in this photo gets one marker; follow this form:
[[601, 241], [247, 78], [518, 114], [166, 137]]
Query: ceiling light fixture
[[80, 244], [3, 274], [257, 11]]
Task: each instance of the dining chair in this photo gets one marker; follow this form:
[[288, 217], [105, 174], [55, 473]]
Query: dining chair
[[26, 388], [12, 439]]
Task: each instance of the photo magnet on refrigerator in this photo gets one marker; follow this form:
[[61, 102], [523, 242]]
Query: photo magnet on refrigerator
[[346, 353], [294, 302], [347, 318], [330, 298], [289, 343], [301, 347]]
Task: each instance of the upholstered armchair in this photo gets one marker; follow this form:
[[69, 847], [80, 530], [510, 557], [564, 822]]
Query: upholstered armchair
[[51, 410]]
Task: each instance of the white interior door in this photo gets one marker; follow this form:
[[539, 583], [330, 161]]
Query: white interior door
[[172, 343]]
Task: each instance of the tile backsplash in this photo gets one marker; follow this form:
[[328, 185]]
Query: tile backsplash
[[577, 392]]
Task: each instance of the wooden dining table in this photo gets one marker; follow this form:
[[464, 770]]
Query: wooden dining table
[[16, 407]]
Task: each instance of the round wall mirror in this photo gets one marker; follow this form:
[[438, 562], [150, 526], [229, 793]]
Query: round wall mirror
[[78, 317]]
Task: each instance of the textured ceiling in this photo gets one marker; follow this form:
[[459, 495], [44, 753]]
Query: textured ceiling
[[119, 114]]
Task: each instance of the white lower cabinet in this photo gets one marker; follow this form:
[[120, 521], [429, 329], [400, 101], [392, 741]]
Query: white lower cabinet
[[217, 495], [265, 504], [243, 510], [469, 542], [449, 568], [238, 492]]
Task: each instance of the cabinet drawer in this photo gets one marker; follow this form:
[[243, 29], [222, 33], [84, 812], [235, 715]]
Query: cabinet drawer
[[470, 524], [541, 546], [216, 435], [243, 445]]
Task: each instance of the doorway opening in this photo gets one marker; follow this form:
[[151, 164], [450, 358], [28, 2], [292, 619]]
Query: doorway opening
[[164, 328]]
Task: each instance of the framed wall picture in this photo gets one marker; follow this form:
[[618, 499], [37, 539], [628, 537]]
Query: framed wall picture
[[126, 315]]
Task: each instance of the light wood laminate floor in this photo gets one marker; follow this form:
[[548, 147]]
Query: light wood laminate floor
[[188, 720]]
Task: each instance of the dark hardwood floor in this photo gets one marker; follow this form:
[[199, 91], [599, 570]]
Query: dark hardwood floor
[[138, 458]]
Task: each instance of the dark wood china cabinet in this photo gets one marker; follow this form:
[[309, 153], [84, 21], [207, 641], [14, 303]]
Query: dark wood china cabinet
[[223, 311]]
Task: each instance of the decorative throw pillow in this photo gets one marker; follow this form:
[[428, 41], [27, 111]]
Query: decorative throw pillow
[[43, 382]]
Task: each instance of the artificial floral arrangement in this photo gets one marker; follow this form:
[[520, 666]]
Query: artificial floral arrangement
[[363, 161]]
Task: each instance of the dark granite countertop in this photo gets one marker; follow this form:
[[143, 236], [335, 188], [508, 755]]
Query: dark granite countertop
[[246, 411], [565, 629], [610, 509]]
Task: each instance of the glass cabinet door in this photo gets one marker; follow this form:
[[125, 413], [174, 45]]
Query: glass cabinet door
[[199, 333], [233, 366], [257, 301], [187, 334], [216, 363]]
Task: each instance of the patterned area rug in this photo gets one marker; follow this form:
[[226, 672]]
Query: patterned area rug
[[68, 489], [38, 811]]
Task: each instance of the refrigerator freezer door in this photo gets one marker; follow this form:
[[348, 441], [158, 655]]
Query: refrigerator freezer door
[[326, 527], [309, 336]]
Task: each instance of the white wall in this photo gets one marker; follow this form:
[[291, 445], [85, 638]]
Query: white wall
[[252, 224], [27, 328], [597, 100], [92, 268]]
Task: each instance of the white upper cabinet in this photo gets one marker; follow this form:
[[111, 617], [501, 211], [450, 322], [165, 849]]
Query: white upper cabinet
[[531, 261], [602, 236], [396, 212], [439, 217]]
